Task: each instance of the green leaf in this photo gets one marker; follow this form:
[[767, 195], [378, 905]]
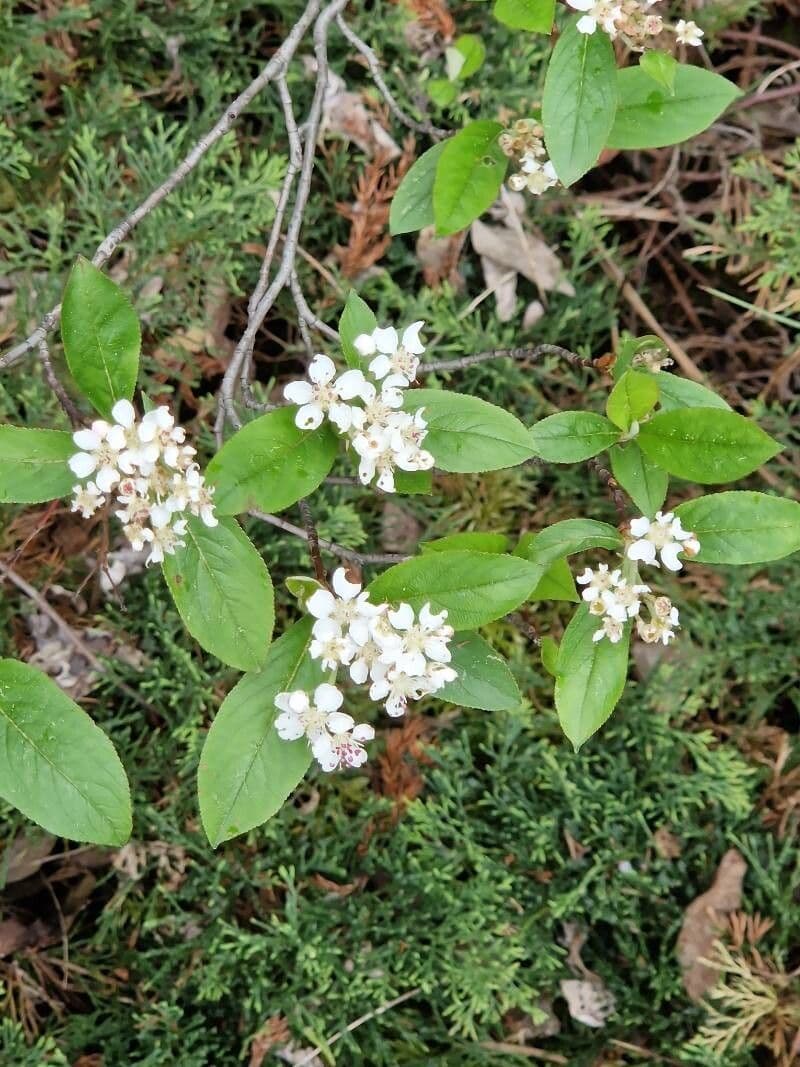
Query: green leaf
[[413, 483], [474, 587], [302, 587], [644, 482], [442, 92], [475, 540], [571, 436], [548, 650], [56, 765], [742, 527], [579, 102], [652, 117], [101, 337], [661, 67], [466, 434], [246, 771], [634, 395], [356, 318], [271, 463], [675, 392], [484, 679], [223, 591], [706, 445], [567, 538], [464, 57], [469, 174], [557, 583], [33, 465], [536, 16], [412, 206], [590, 677]]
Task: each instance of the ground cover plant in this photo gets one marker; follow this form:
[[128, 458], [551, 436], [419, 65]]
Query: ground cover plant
[[511, 467]]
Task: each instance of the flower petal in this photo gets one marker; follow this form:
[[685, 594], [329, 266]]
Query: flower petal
[[328, 698], [386, 340], [339, 722], [343, 587], [411, 341], [88, 440], [300, 392], [321, 603], [364, 344], [322, 369], [82, 464], [124, 413], [309, 417]]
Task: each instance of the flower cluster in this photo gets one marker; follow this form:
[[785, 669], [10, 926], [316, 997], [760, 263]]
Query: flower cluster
[[617, 600], [402, 655], [384, 437], [632, 21], [524, 142], [151, 472]]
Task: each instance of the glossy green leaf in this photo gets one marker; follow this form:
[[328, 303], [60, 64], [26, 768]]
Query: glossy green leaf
[[412, 205], [706, 445], [270, 464], [469, 539], [223, 591], [536, 16], [474, 587], [246, 771], [469, 174], [33, 465], [484, 679], [675, 392], [56, 765], [466, 434], [567, 538], [590, 677], [356, 318], [644, 482], [579, 102], [101, 337], [557, 583], [572, 436], [661, 67], [634, 395], [442, 92], [413, 483], [650, 116], [742, 527]]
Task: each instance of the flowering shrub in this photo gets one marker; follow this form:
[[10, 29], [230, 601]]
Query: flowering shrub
[[412, 632]]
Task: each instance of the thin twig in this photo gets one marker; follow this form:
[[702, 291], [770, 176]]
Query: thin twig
[[361, 558], [377, 76], [505, 353], [110, 243], [354, 1025], [62, 396], [312, 537], [77, 642], [616, 495]]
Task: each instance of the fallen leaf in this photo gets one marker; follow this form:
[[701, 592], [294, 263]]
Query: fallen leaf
[[533, 313], [703, 921], [666, 843], [345, 114], [503, 283], [528, 254], [439, 256], [588, 1002], [275, 1031], [23, 857]]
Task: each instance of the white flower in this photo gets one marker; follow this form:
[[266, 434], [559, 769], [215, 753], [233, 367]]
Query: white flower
[[423, 639], [688, 32], [165, 539], [394, 356], [332, 649], [534, 176], [87, 499], [346, 611], [98, 454], [319, 396], [341, 744], [300, 716], [396, 689], [664, 536], [660, 627], [611, 628], [597, 582], [624, 601], [598, 12]]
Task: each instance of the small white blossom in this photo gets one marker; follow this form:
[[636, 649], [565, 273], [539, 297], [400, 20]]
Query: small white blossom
[[688, 32], [611, 628], [597, 582], [87, 499], [346, 611], [663, 621], [601, 13], [534, 176], [395, 356], [663, 536], [342, 742], [98, 455], [335, 738], [319, 397]]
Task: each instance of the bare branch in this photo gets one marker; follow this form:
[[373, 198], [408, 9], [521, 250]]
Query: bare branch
[[312, 537], [377, 76], [62, 396], [506, 353], [361, 558], [232, 112]]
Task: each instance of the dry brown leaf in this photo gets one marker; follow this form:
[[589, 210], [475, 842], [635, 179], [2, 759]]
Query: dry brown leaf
[[503, 283], [666, 843], [524, 252], [703, 921], [533, 313], [346, 115], [338, 889], [24, 856], [588, 1002], [275, 1031], [439, 256], [433, 15]]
